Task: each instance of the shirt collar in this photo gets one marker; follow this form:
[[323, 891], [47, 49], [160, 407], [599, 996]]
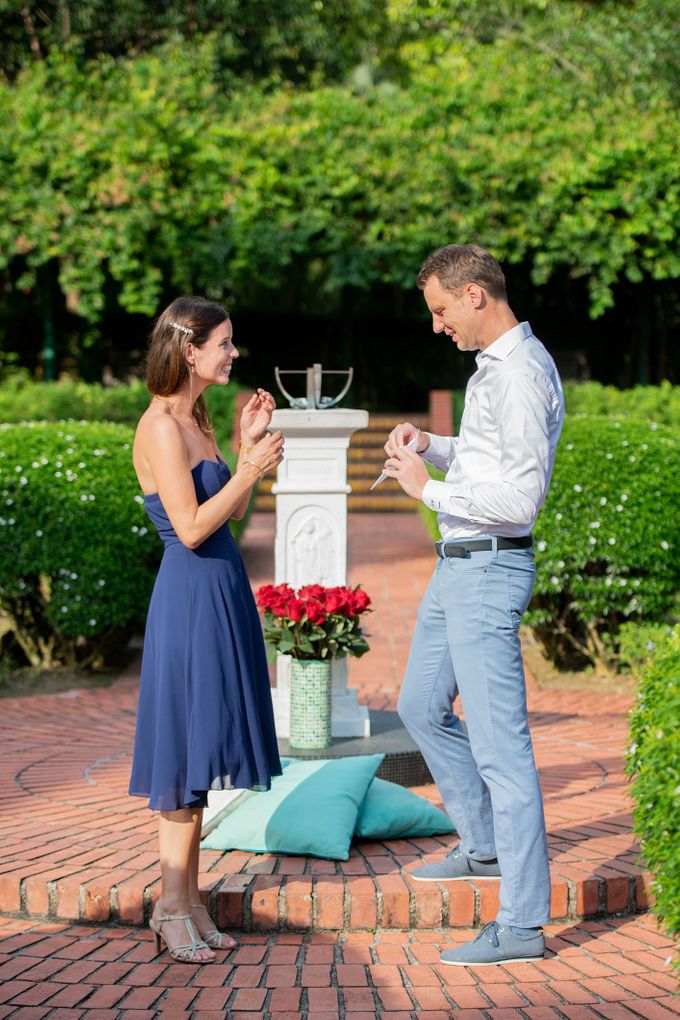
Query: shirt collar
[[506, 342]]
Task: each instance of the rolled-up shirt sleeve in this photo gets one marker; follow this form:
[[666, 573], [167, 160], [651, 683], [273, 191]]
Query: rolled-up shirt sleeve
[[524, 407]]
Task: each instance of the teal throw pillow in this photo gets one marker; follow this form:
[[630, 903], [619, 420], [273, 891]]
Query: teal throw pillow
[[393, 812], [312, 809]]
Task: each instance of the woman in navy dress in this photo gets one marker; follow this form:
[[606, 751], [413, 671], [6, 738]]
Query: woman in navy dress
[[205, 719]]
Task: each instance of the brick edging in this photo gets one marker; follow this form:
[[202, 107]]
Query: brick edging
[[314, 903]]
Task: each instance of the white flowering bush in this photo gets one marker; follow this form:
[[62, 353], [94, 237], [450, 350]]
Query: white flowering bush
[[653, 764], [608, 537], [78, 555]]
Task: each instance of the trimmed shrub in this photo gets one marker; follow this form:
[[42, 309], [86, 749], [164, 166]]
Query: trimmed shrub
[[21, 399], [77, 553], [607, 539], [660, 404], [654, 766]]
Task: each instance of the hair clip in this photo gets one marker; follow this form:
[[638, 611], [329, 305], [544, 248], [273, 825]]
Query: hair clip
[[184, 329]]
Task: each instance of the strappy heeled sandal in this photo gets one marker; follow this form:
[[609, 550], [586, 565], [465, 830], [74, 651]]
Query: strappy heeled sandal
[[182, 954], [216, 939]]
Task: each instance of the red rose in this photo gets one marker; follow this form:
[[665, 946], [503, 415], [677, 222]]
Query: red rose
[[312, 591], [336, 600], [359, 601], [279, 607], [315, 612], [296, 609], [269, 596]]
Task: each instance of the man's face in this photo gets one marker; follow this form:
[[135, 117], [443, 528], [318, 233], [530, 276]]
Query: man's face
[[454, 313]]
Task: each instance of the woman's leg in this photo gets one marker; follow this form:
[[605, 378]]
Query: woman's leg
[[178, 832], [202, 920]]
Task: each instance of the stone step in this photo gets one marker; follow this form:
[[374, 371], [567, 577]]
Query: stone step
[[368, 502]]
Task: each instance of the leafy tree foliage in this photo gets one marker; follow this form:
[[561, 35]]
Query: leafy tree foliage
[[536, 129], [294, 40]]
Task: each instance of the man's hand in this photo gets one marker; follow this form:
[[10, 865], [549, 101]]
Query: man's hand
[[406, 467], [402, 435]]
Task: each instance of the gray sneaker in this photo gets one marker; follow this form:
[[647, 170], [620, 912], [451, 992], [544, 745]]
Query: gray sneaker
[[454, 867], [496, 943]]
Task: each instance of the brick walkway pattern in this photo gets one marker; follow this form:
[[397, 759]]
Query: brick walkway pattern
[[318, 938]]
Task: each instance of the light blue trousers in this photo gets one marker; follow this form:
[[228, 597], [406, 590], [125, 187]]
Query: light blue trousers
[[466, 642]]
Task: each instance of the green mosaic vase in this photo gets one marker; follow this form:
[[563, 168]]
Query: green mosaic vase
[[310, 704]]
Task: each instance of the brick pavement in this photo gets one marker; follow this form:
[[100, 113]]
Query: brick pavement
[[74, 847]]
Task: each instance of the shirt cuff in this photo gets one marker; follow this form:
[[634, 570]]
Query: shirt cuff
[[436, 494]]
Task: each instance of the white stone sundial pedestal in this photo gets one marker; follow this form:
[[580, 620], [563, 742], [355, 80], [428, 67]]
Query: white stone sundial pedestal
[[311, 536]]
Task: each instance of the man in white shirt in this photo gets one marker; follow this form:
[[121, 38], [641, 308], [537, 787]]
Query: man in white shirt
[[466, 637]]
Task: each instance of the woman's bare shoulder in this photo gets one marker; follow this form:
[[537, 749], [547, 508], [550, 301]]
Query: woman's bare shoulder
[[157, 434]]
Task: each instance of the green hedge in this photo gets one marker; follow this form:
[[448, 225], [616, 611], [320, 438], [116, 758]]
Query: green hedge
[[654, 767], [22, 399], [660, 404], [607, 539], [77, 553]]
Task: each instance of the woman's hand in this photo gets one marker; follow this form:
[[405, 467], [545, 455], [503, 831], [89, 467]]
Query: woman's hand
[[266, 454], [256, 416]]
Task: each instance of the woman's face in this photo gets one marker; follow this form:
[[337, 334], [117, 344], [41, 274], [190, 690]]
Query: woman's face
[[212, 361]]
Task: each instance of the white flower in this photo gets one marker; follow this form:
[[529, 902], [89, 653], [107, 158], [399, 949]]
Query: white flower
[[66, 586], [101, 582], [92, 623], [577, 488], [58, 464], [570, 446], [9, 502], [592, 540], [619, 508], [603, 501], [624, 497], [35, 464], [561, 564], [622, 582], [44, 460], [659, 734], [541, 546], [24, 480], [608, 582], [142, 531], [632, 459], [609, 456], [134, 528], [81, 464], [64, 609], [612, 540], [554, 580], [18, 469], [38, 534], [644, 446], [57, 474], [624, 442], [91, 498], [665, 545], [83, 499], [139, 499], [594, 524], [558, 517], [632, 749], [74, 577]]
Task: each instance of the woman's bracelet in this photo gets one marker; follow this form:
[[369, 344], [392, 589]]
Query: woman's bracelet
[[260, 470]]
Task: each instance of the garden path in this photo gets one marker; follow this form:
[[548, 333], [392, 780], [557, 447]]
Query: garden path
[[319, 939]]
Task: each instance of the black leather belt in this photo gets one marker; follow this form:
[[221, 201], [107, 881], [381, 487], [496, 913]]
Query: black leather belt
[[461, 549]]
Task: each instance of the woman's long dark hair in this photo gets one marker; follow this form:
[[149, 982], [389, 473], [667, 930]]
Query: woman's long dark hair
[[166, 366]]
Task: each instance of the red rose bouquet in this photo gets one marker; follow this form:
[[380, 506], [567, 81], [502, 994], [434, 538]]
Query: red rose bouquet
[[314, 622]]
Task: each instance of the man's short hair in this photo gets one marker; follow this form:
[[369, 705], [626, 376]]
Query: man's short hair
[[454, 265]]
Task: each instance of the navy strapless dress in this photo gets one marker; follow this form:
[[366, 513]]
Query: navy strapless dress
[[205, 719]]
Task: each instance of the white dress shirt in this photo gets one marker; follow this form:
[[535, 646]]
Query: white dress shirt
[[498, 467]]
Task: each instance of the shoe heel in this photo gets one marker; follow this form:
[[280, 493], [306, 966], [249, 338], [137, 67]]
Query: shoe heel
[[157, 942]]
